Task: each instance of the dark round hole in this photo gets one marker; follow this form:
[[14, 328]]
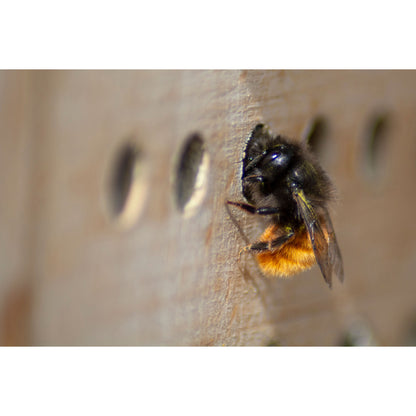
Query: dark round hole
[[410, 333], [358, 334], [127, 185], [315, 135], [374, 148], [191, 175]]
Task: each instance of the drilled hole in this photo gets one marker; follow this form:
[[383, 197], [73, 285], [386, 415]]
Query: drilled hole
[[375, 146], [190, 180], [316, 136], [410, 334], [358, 334], [128, 185]]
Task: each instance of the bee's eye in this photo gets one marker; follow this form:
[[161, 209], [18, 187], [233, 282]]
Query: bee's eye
[[276, 160], [275, 155]]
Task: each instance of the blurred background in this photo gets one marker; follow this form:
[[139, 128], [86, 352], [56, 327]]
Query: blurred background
[[113, 224]]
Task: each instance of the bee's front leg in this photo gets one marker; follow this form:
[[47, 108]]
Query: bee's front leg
[[254, 210]]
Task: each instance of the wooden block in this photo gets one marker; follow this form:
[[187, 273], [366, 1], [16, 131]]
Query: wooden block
[[76, 273]]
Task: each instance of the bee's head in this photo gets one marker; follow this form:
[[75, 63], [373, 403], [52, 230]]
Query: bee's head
[[267, 162], [270, 162], [276, 160]]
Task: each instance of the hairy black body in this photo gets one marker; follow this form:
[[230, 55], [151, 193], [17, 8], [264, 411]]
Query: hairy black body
[[284, 181]]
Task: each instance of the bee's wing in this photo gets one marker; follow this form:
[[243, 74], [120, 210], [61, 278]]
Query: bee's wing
[[335, 259], [322, 236]]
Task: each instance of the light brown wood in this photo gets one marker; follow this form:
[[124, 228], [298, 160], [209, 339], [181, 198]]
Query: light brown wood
[[71, 274]]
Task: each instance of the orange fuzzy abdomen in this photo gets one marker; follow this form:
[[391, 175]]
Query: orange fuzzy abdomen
[[293, 257]]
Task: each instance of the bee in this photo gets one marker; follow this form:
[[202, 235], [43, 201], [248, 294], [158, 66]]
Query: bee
[[283, 182]]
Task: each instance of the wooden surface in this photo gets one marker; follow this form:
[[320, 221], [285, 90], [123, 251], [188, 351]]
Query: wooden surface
[[73, 273]]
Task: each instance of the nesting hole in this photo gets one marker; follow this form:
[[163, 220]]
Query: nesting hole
[[191, 175], [375, 146], [358, 334], [128, 185], [410, 332], [316, 136]]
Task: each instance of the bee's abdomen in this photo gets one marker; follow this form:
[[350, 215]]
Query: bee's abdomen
[[293, 257]]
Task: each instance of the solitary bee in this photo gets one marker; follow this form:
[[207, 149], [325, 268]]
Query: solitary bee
[[283, 181]]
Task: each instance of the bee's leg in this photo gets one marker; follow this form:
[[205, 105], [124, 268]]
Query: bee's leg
[[270, 245], [253, 178], [262, 246], [253, 210]]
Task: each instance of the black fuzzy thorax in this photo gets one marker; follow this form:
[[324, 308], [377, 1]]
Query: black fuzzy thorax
[[275, 189]]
